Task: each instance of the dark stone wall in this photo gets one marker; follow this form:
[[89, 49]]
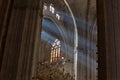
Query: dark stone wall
[[109, 39], [20, 24]]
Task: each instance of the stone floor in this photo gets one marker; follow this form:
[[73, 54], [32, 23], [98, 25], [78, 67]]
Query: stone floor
[[52, 71]]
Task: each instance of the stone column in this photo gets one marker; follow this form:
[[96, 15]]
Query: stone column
[[109, 39], [5, 12], [21, 25]]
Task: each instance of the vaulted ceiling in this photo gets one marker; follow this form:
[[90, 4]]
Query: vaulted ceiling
[[84, 9]]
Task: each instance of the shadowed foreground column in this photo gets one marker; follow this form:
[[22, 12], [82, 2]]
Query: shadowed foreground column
[[109, 39], [22, 39]]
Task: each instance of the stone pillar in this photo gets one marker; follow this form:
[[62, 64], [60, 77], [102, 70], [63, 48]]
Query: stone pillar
[[5, 12], [19, 38], [108, 39]]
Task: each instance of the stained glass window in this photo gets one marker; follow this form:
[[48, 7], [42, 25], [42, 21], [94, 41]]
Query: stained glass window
[[55, 51]]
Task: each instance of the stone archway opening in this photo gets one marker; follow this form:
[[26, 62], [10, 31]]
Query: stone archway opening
[[87, 31]]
